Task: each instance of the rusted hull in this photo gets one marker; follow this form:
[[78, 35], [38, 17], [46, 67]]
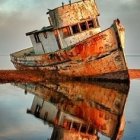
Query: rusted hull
[[106, 67], [99, 55], [109, 67]]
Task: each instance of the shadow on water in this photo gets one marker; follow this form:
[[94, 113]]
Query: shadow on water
[[79, 110]]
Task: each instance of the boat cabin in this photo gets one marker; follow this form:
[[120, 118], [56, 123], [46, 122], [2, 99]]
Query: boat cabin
[[69, 24]]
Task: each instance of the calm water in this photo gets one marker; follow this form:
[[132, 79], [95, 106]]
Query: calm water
[[16, 124]]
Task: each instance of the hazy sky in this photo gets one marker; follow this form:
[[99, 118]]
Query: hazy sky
[[20, 16]]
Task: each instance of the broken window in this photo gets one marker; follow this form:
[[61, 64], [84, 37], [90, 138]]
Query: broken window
[[37, 39], [90, 24], [83, 26], [66, 32], [45, 34], [75, 29]]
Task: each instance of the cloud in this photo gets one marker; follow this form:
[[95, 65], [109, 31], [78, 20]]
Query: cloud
[[10, 5], [18, 17], [16, 20], [26, 11], [129, 2], [20, 5]]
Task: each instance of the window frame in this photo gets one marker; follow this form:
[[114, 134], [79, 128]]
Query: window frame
[[93, 24], [84, 22], [37, 39], [78, 29], [67, 32]]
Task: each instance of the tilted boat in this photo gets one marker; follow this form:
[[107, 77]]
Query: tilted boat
[[73, 45]]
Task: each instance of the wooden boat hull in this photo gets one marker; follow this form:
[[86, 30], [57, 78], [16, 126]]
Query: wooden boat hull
[[100, 56]]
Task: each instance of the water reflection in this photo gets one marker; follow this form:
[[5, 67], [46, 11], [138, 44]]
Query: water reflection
[[80, 110]]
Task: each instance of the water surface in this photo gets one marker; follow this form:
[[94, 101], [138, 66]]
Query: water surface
[[62, 107], [15, 124]]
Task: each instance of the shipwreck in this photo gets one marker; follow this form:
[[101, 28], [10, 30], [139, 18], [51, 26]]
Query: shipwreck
[[73, 45]]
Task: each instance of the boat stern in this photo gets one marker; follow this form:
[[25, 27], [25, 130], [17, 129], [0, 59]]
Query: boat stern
[[119, 28]]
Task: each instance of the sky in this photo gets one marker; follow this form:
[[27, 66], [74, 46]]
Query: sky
[[18, 17]]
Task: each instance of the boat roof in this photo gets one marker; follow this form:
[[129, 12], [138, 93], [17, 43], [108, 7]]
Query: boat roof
[[43, 29]]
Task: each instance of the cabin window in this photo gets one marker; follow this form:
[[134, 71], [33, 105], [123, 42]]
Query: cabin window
[[37, 110], [84, 128], [66, 124], [83, 26], [91, 130], [45, 34], [90, 24], [66, 32], [75, 29], [37, 39], [76, 126]]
